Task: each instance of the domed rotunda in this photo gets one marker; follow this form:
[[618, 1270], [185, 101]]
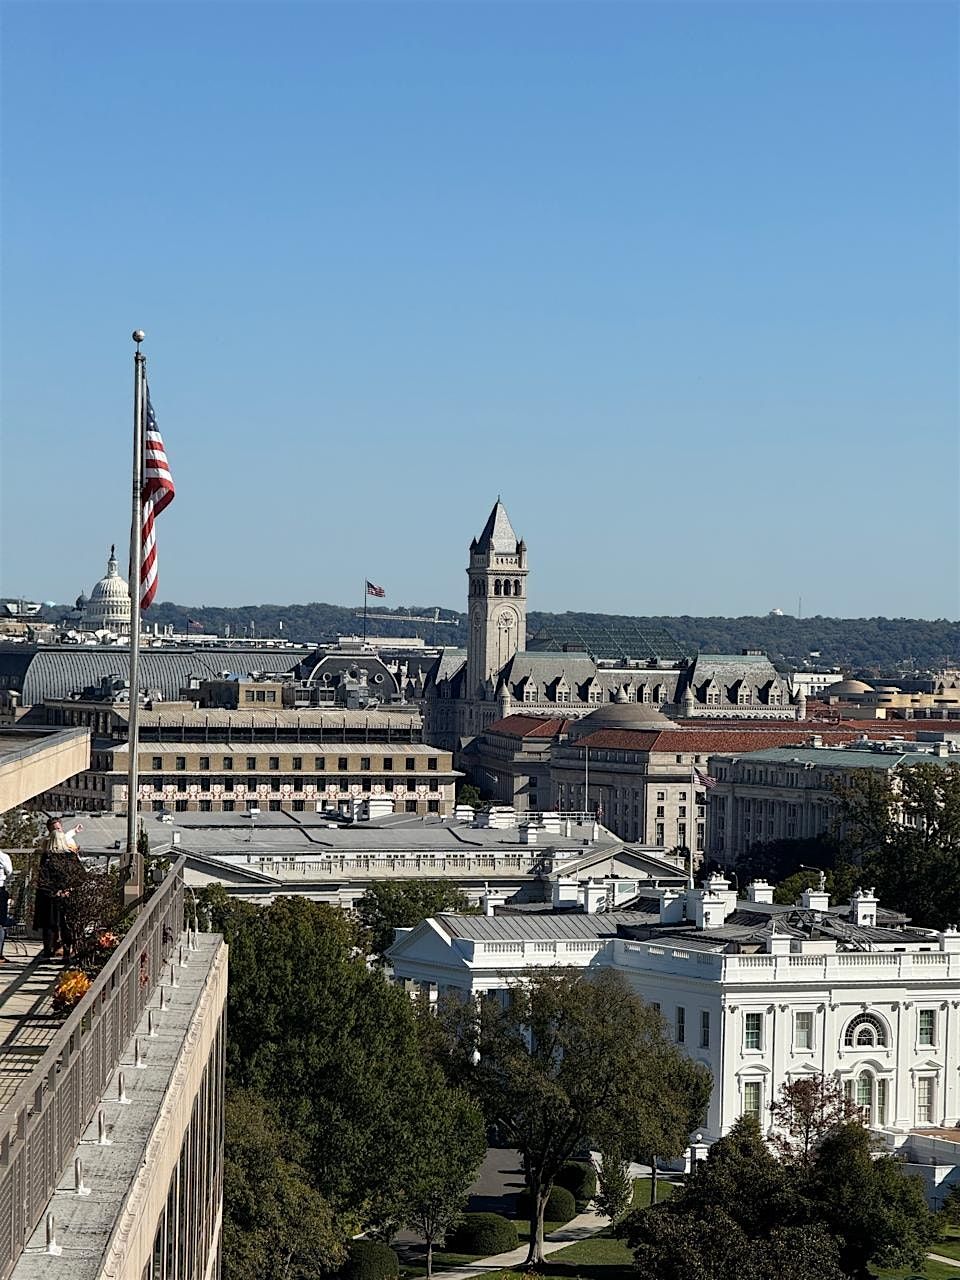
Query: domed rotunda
[[108, 608]]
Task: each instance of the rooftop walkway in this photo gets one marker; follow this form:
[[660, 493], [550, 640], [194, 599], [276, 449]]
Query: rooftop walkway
[[27, 1021]]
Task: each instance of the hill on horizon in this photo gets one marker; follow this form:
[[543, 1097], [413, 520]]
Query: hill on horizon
[[883, 644]]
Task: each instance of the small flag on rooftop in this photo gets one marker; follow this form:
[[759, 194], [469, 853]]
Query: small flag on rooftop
[[374, 590], [157, 493]]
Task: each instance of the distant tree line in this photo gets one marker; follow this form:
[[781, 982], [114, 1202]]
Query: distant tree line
[[868, 644]]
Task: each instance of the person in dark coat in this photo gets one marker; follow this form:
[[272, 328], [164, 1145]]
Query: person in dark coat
[[58, 854]]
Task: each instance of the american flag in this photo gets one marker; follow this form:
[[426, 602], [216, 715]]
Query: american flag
[[157, 493], [374, 590], [704, 780]]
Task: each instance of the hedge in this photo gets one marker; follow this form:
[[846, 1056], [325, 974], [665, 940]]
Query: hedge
[[370, 1260], [561, 1206], [580, 1178], [483, 1234]]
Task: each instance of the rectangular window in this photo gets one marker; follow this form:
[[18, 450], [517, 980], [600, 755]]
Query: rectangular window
[[253, 804], [366, 784], [271, 695], [682, 811], [434, 784], [296, 763], [157, 762], [249, 695], [206, 806], [660, 810], [925, 1100], [432, 762], [157, 806], [319, 764], [342, 763], [181, 762], [228, 784], [681, 1024], [228, 762], [659, 835], [411, 764], [927, 1022], [704, 1029], [180, 806], [251, 784], [182, 784], [261, 695], [388, 785], [753, 1030], [881, 1102], [365, 763], [661, 795], [410, 806], [298, 806], [274, 806], [229, 806], [204, 762], [803, 1030], [433, 806], [387, 763], [251, 762], [751, 1098], [274, 762], [275, 785]]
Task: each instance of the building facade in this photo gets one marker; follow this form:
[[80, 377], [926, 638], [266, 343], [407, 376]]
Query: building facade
[[760, 994], [789, 793]]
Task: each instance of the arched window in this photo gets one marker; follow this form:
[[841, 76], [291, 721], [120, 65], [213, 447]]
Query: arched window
[[506, 586], [496, 587], [865, 1031], [869, 1095], [516, 586]]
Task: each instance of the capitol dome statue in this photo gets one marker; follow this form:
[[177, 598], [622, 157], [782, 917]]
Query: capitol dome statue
[[108, 608]]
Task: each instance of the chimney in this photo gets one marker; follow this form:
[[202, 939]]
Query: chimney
[[528, 833], [719, 887], [591, 896], [709, 909], [815, 900], [671, 905], [863, 908], [564, 893], [759, 891]]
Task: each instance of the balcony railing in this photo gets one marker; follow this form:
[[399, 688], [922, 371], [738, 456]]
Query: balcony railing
[[50, 1111]]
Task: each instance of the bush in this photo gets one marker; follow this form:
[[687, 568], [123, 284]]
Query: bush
[[483, 1234], [370, 1260], [561, 1206], [579, 1178]]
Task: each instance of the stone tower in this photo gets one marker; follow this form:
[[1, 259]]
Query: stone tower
[[497, 602]]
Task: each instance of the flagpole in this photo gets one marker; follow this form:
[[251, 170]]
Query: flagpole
[[132, 876], [691, 820], [365, 611]]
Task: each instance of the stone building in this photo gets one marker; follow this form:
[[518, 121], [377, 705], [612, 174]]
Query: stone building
[[761, 994], [108, 607], [574, 666], [788, 792], [241, 760]]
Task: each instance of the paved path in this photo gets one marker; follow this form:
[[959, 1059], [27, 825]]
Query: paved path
[[938, 1257], [578, 1228]]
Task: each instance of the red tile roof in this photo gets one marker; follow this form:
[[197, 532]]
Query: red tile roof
[[520, 726], [713, 741]]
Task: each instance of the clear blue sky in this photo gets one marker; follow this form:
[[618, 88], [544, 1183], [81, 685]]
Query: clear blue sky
[[679, 281]]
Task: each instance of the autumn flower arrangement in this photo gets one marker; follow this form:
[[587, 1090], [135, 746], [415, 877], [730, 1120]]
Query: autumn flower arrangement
[[106, 940], [72, 986]]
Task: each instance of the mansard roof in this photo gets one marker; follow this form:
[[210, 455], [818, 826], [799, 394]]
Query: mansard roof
[[498, 535]]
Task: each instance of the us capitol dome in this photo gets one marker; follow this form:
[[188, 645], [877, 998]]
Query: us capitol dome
[[108, 607]]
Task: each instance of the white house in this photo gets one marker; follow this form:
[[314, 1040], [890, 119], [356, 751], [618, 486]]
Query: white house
[[760, 993]]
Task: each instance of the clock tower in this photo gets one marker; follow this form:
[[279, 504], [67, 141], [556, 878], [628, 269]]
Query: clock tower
[[497, 601]]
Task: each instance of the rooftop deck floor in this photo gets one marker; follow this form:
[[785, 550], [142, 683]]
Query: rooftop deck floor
[[27, 1021]]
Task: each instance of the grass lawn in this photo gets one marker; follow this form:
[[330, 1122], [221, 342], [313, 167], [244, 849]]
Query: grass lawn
[[932, 1271], [949, 1246]]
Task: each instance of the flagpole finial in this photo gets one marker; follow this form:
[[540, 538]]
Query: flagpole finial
[[138, 336]]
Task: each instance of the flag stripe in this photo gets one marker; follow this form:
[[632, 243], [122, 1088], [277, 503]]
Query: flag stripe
[[374, 590], [156, 496]]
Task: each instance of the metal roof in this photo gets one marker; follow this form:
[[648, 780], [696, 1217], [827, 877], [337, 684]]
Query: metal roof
[[614, 638], [543, 927], [57, 671]]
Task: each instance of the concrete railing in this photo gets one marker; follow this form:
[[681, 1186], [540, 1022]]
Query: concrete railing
[[842, 966], [53, 1106]]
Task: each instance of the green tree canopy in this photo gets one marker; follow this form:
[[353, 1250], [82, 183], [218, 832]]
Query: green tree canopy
[[389, 905], [753, 1216], [276, 1226], [572, 1058]]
